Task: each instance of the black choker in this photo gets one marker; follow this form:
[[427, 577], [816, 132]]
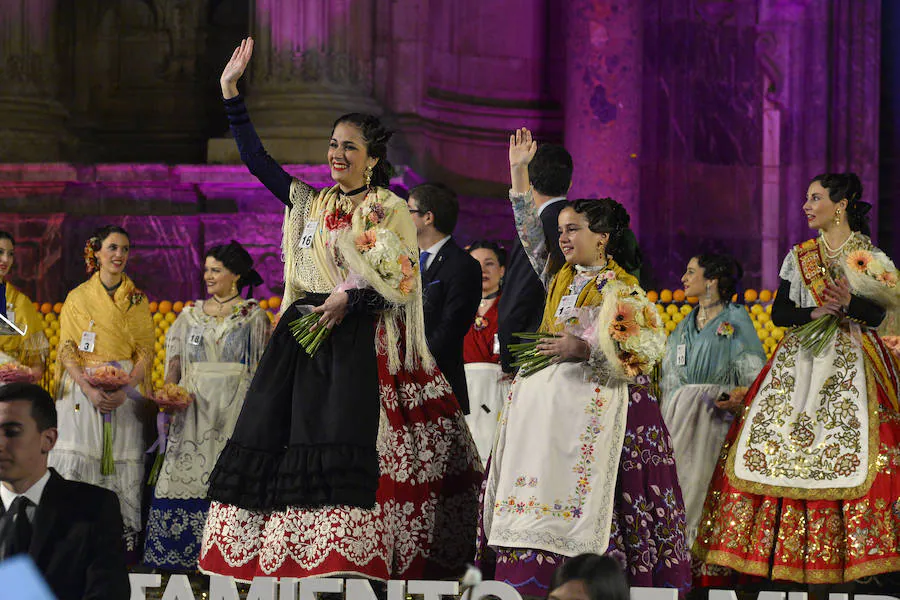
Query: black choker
[[358, 190], [489, 296], [226, 301], [111, 289]]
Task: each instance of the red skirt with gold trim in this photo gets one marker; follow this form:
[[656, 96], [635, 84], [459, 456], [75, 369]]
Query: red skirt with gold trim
[[809, 541]]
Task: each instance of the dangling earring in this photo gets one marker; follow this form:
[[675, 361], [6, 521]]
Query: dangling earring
[[837, 218], [234, 289], [368, 176], [708, 292]]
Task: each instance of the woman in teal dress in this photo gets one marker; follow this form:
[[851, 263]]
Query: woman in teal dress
[[711, 355]]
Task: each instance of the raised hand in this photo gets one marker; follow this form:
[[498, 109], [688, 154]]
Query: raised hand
[[235, 68], [521, 148]]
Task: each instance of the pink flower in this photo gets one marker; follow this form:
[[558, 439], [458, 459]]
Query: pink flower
[[888, 278], [365, 241], [725, 329], [376, 213]]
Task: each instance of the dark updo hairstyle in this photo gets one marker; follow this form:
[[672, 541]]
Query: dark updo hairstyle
[[602, 576], [608, 216], [494, 247], [724, 269], [5, 235], [237, 260], [95, 242], [376, 138], [847, 185]]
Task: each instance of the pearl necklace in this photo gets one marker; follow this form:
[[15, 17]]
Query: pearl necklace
[[834, 252]]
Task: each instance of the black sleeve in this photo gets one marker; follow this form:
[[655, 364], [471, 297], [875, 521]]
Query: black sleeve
[[263, 166], [107, 575], [865, 311], [784, 312], [366, 300]]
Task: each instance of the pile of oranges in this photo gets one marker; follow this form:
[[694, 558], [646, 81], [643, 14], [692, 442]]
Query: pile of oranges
[[672, 305]]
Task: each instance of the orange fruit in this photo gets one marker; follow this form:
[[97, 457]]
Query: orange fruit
[[693, 299], [652, 296], [734, 297], [264, 304], [57, 308], [274, 302], [178, 306], [154, 306], [165, 306], [750, 295], [46, 308], [37, 306], [665, 296], [765, 295], [678, 296]]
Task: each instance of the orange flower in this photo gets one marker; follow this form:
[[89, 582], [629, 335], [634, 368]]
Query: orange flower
[[631, 364], [407, 283], [859, 261], [365, 241], [650, 316], [623, 325]]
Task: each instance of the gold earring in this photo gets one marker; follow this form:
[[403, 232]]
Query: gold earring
[[234, 287], [837, 218], [368, 176]]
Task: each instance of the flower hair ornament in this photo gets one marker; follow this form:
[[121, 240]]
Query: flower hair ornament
[[90, 258]]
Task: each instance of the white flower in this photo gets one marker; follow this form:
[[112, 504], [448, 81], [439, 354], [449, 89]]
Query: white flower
[[875, 268]]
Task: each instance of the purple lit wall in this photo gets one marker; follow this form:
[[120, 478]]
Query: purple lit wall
[[705, 118]]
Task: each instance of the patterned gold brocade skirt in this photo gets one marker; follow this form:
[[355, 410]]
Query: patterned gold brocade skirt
[[809, 541]]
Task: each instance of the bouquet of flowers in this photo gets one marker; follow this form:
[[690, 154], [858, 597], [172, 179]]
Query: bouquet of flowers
[[170, 397], [375, 255], [635, 330], [13, 372], [108, 378], [870, 274], [526, 355]]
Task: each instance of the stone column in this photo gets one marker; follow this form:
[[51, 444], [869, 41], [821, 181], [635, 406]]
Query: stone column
[[312, 62], [603, 99], [822, 64], [31, 118]]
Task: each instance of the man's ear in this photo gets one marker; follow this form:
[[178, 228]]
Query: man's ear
[[48, 439]]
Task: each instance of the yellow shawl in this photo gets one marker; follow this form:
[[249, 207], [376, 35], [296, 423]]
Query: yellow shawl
[[33, 347], [122, 323], [589, 295], [331, 258]]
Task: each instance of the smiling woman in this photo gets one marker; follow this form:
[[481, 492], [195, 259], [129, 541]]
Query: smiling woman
[[105, 322], [324, 458], [22, 358]]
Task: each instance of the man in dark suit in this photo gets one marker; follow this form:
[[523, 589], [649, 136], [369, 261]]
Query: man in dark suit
[[451, 281], [544, 173], [72, 530]]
